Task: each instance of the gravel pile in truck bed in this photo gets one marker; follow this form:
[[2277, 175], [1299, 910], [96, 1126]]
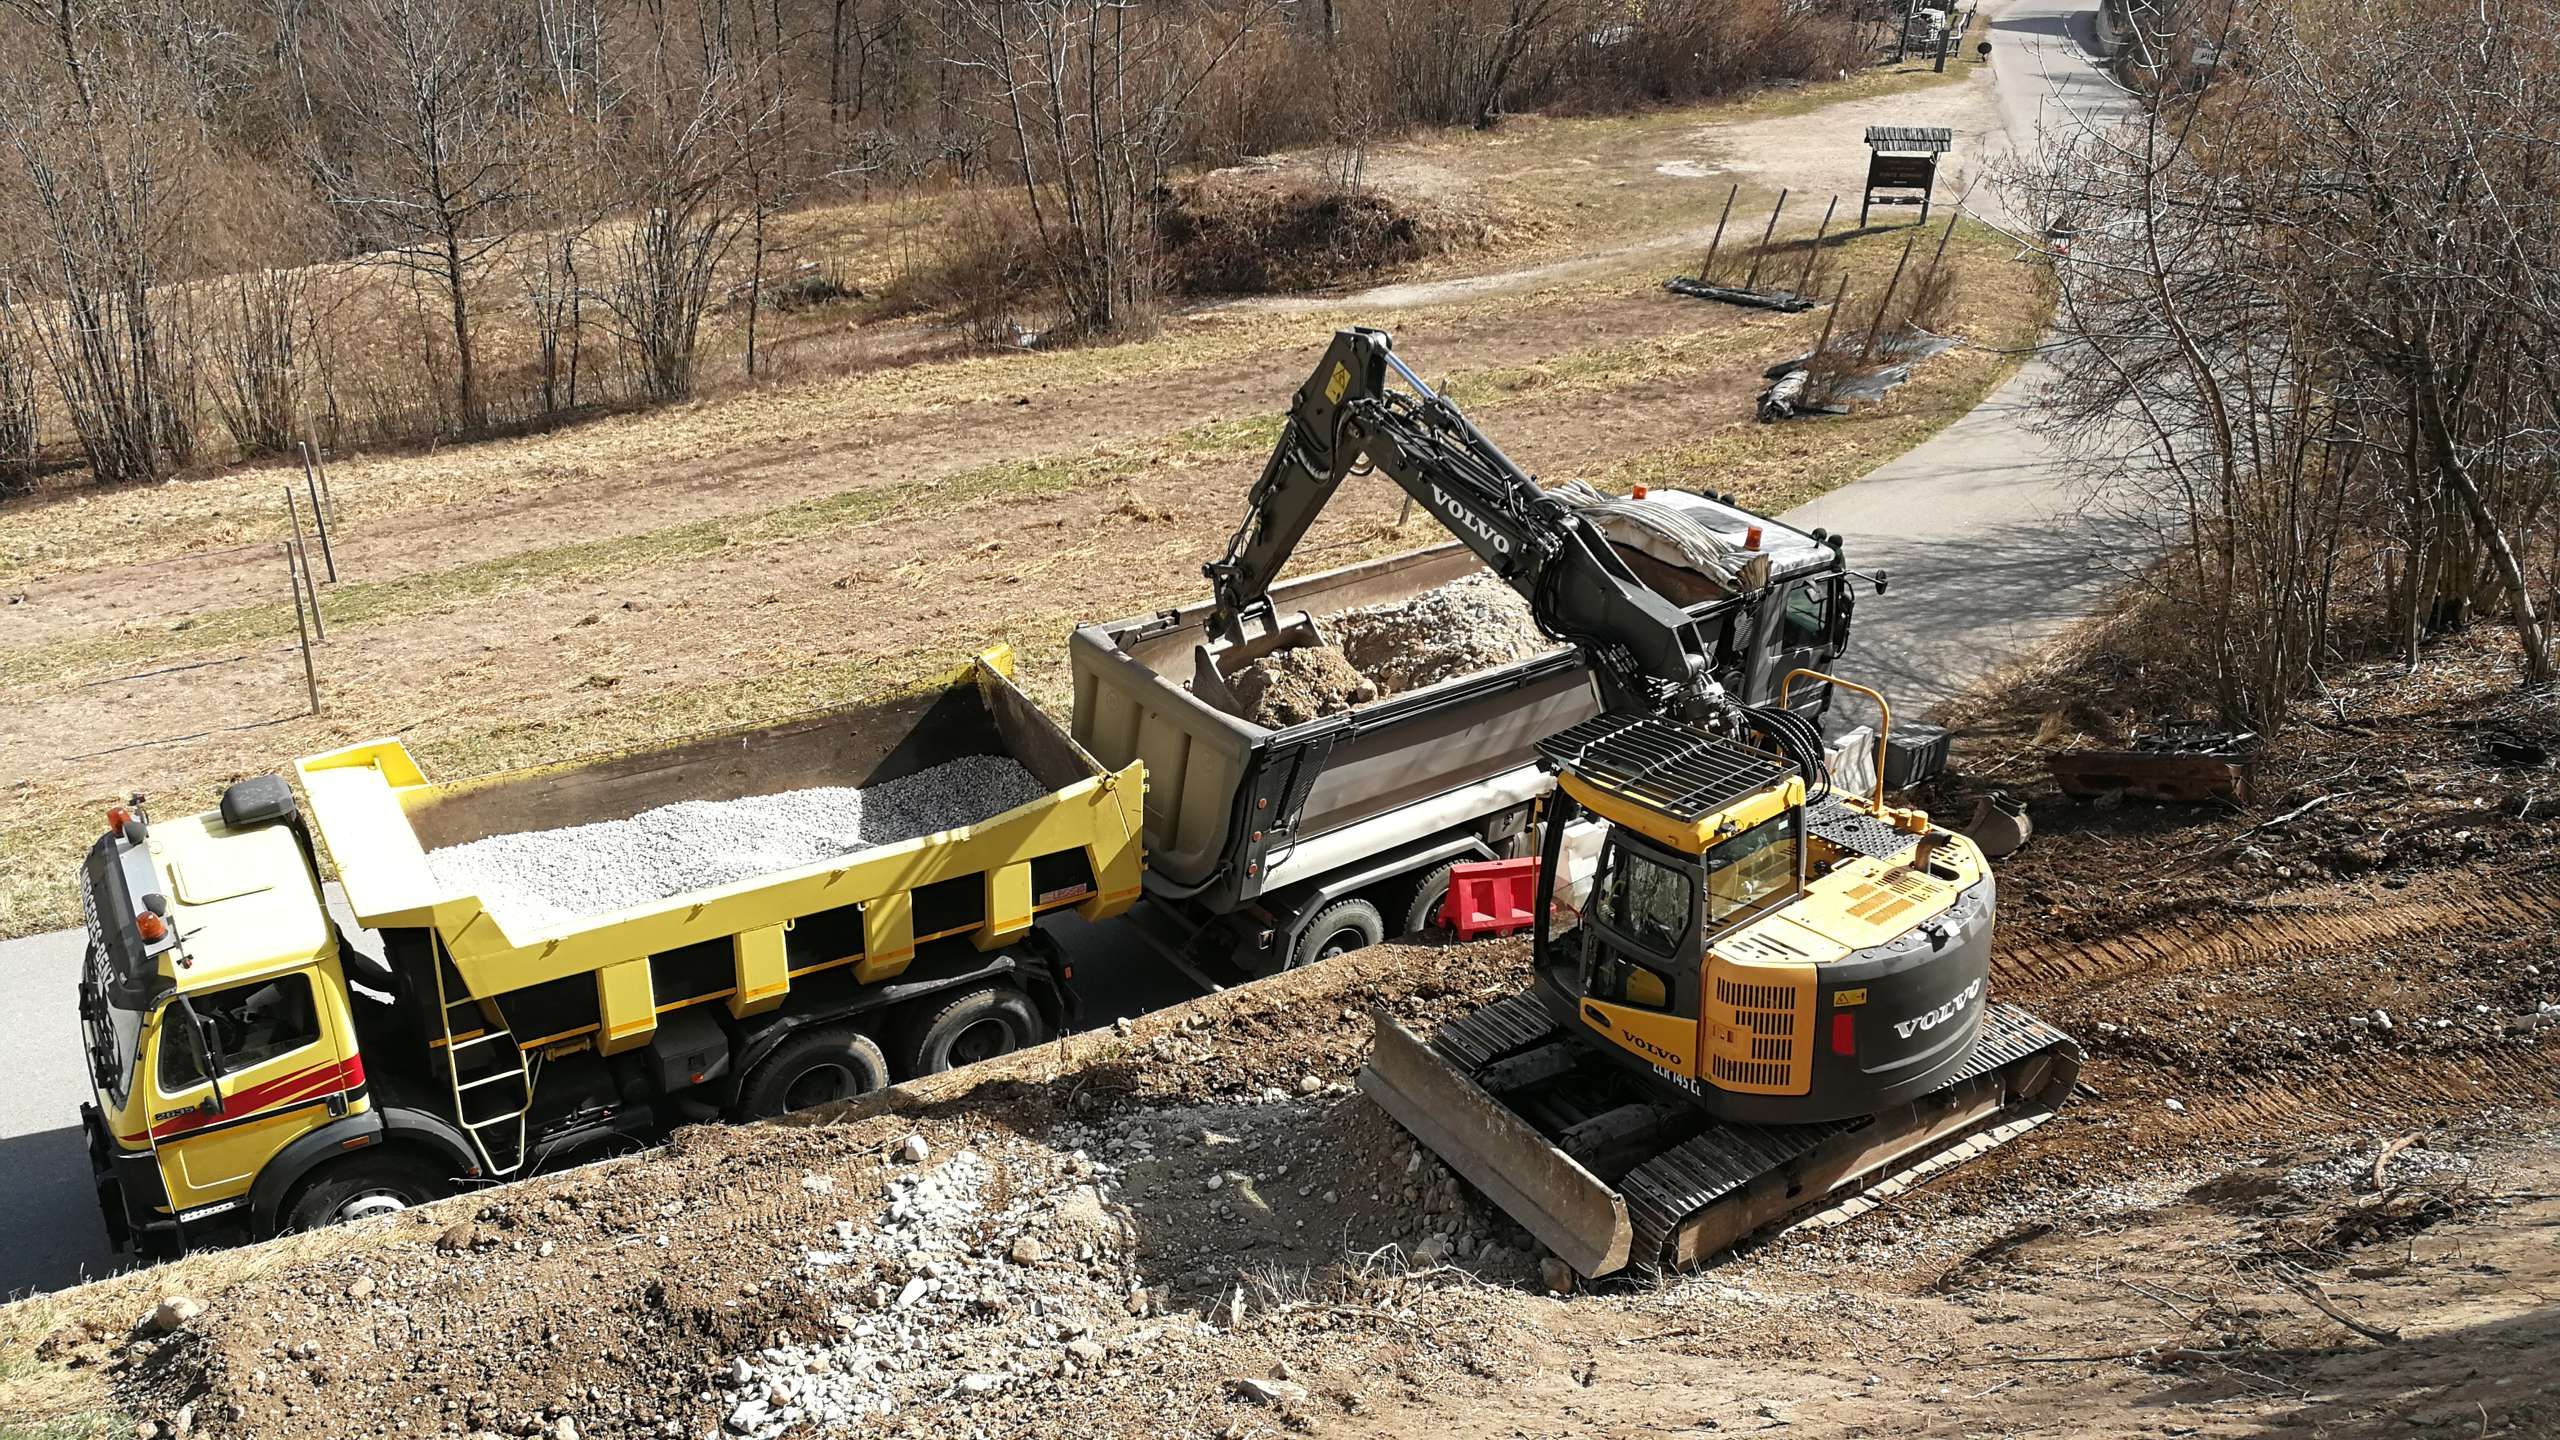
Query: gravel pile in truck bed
[[539, 878], [1471, 624]]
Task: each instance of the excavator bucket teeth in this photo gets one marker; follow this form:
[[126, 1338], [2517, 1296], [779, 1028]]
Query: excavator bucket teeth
[[1578, 1215]]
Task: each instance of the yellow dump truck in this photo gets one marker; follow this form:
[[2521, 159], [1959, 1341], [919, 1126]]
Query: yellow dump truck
[[255, 1068]]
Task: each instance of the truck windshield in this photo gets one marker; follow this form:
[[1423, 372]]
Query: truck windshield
[[114, 1035], [1754, 869]]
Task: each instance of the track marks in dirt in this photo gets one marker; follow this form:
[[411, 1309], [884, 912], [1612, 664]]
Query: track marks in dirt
[[2269, 937]]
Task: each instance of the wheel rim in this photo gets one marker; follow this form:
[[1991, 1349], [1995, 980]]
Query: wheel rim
[[820, 1084], [1428, 923], [982, 1040], [370, 1204], [1342, 942]]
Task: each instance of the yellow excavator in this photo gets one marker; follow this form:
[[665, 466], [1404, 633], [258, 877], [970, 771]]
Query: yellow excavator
[[1753, 994]]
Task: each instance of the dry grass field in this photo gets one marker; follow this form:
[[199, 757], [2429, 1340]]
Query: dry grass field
[[815, 540]]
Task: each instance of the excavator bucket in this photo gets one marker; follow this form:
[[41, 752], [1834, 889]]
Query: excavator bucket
[[1573, 1211]]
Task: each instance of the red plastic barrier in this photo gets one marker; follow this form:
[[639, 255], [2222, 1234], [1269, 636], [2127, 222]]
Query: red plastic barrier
[[1491, 897]]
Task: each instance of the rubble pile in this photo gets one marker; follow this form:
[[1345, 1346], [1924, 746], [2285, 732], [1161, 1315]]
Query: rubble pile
[[1472, 624]]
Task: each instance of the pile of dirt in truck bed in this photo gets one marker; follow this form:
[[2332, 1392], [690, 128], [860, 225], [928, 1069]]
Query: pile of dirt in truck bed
[[1291, 687], [539, 878], [1471, 624]]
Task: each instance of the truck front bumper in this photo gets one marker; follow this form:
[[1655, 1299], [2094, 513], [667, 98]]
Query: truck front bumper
[[131, 1198]]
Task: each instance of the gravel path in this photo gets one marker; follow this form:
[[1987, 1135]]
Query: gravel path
[[537, 879]]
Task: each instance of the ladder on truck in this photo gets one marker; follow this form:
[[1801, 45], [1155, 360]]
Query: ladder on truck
[[492, 1088]]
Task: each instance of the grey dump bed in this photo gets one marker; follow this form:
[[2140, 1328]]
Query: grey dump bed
[[1235, 810]]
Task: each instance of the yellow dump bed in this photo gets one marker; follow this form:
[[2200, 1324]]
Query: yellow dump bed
[[1076, 846]]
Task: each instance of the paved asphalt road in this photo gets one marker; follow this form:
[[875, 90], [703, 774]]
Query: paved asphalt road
[[1978, 529], [1986, 540]]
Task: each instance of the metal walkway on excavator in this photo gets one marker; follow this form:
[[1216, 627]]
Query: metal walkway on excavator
[[1708, 1184]]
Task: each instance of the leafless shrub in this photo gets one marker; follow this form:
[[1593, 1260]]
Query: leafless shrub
[[1088, 96], [20, 440], [100, 141], [2330, 343], [249, 350], [986, 275]]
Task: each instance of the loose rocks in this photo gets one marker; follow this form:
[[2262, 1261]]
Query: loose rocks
[[173, 1312]]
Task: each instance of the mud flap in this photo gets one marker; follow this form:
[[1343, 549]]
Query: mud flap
[[1573, 1211]]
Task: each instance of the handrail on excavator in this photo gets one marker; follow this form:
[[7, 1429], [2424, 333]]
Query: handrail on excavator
[[1884, 720]]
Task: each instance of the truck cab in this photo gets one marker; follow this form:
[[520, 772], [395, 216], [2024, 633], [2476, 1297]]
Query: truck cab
[[215, 1008]]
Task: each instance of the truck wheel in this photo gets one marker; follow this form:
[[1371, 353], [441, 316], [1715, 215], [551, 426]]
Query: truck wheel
[[1430, 893], [979, 1024], [815, 1067], [362, 1186], [1338, 929]]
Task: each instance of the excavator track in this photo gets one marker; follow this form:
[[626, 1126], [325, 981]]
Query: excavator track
[[1559, 1139]]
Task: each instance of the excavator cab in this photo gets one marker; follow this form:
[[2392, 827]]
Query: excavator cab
[[1751, 949]]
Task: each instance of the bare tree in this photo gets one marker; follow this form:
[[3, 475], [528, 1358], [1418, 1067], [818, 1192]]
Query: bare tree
[[693, 130], [101, 153], [426, 146], [21, 443], [1089, 97], [2316, 307]]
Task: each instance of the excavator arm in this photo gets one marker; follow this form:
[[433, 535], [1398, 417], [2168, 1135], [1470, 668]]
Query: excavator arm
[[1646, 653]]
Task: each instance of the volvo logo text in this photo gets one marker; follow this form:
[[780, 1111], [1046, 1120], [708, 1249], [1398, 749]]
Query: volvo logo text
[[1932, 1019], [1469, 521]]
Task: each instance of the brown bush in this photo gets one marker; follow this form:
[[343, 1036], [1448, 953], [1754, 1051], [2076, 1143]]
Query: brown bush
[[985, 276], [1243, 234]]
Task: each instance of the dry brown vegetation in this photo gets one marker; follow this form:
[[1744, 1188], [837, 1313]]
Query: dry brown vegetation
[[2315, 299], [226, 230]]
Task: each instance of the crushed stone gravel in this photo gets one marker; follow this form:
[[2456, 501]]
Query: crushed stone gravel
[[535, 879]]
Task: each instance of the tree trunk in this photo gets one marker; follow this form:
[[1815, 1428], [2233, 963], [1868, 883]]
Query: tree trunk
[[466, 382]]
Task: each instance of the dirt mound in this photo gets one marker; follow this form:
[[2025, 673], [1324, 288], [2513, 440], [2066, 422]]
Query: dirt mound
[[1291, 687], [1260, 231], [1060, 1246]]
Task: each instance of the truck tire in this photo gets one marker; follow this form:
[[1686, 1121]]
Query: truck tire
[[815, 1067], [977, 1024], [378, 1182], [1430, 893], [1338, 929]]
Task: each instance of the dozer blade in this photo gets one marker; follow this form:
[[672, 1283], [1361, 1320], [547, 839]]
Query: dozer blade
[[1573, 1211]]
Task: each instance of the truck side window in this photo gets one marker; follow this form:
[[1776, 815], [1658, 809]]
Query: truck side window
[[252, 1023], [1807, 623]]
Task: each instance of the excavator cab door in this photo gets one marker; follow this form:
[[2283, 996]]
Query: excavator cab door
[[1639, 937]]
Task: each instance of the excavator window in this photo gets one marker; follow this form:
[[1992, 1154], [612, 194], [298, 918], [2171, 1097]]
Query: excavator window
[[1646, 901], [1754, 869], [1645, 908]]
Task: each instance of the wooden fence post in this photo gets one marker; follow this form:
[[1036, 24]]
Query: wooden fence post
[[310, 676], [1814, 251], [1706, 271], [295, 511], [1753, 279]]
